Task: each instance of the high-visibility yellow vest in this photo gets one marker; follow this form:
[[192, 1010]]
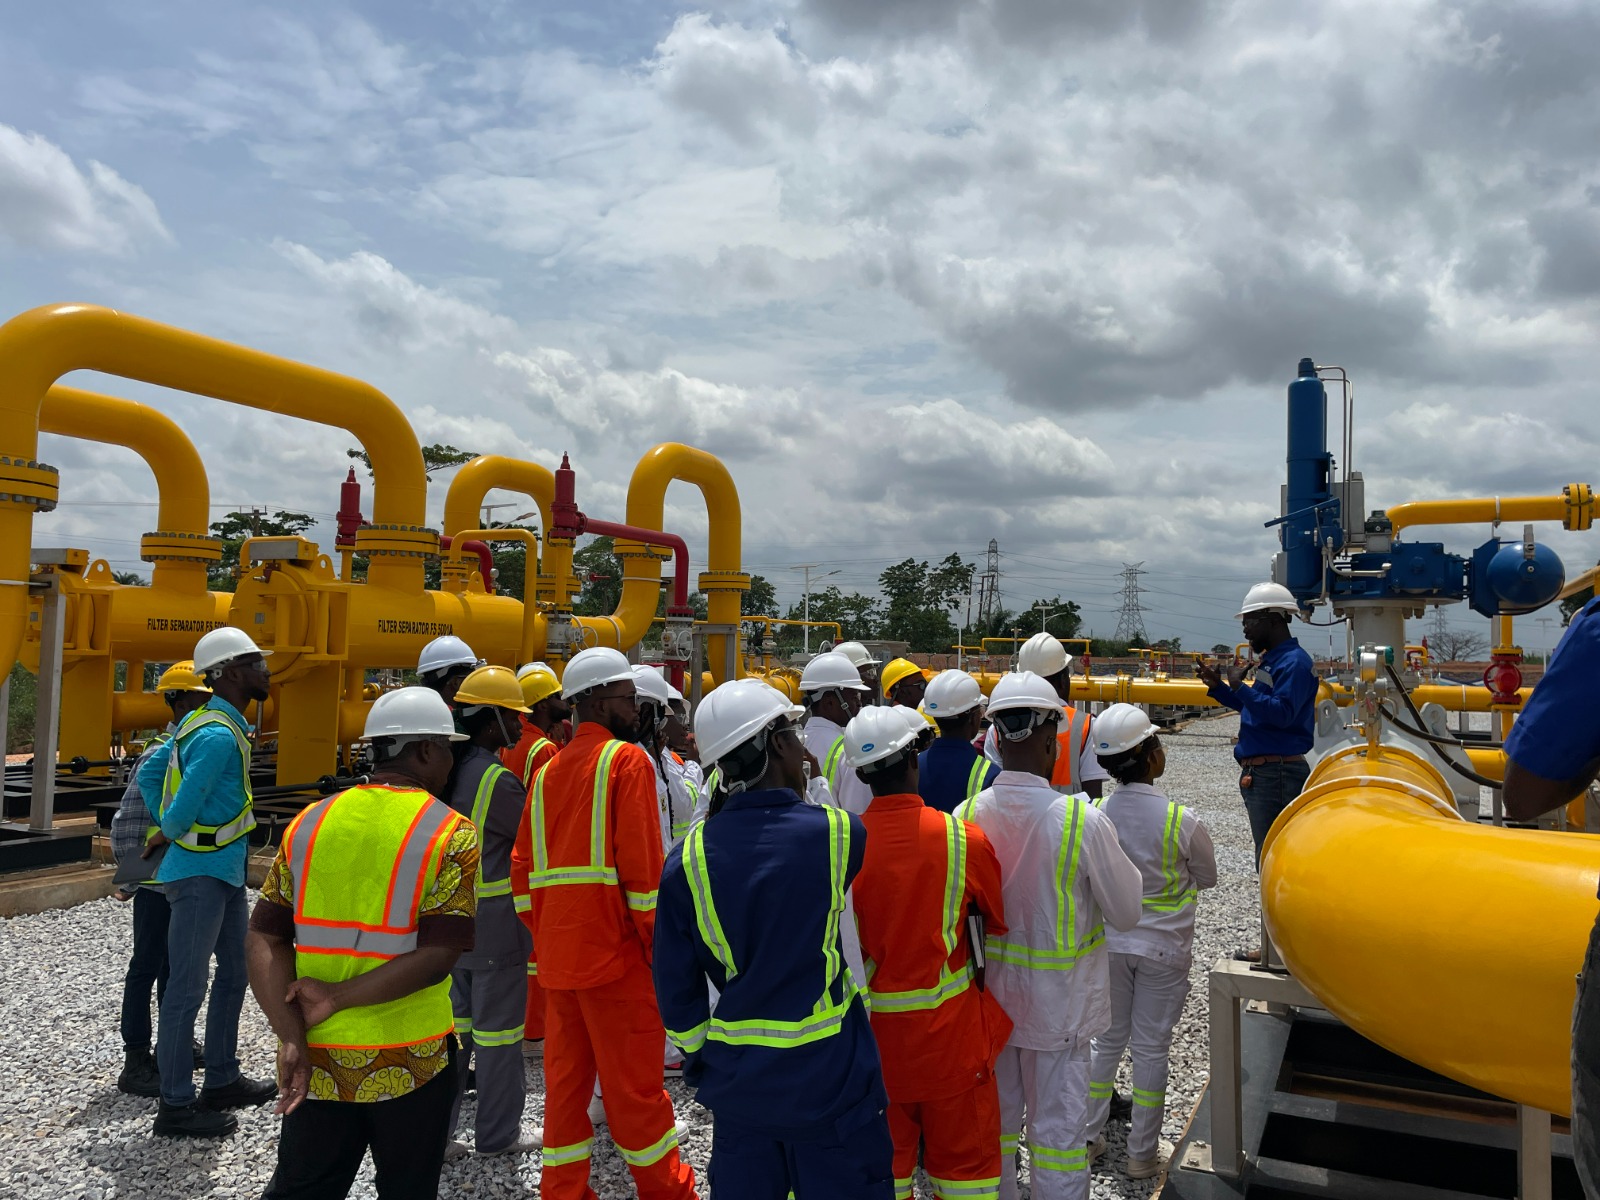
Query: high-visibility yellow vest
[[203, 839], [480, 818], [362, 863], [527, 763]]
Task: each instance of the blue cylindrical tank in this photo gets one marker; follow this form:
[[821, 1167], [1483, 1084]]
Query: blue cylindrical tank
[[1522, 584], [1310, 469]]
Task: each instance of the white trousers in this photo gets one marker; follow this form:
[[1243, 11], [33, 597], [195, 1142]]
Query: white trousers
[[1146, 1001], [1049, 1091]]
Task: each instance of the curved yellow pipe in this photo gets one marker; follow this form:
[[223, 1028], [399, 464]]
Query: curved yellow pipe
[[1410, 924], [182, 489], [1574, 508], [39, 346], [463, 504], [723, 581]]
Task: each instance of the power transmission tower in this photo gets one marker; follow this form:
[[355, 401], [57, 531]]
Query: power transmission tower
[[1130, 621], [989, 586]]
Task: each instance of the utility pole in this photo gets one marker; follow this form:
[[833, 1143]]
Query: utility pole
[[1045, 613], [808, 568], [1130, 621]]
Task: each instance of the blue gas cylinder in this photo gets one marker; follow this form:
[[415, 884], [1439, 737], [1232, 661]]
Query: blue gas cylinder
[[1523, 584]]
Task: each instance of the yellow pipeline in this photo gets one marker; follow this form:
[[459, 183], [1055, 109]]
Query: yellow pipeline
[[39, 346], [1574, 508], [1364, 880], [723, 581], [463, 504]]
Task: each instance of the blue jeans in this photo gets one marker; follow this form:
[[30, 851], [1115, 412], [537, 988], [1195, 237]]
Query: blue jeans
[[1586, 1070], [1273, 786], [147, 968], [209, 917]]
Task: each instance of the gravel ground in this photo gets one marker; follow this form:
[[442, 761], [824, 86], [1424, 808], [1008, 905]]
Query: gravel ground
[[66, 1133]]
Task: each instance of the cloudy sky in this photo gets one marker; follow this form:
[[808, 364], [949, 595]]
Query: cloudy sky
[[922, 272]]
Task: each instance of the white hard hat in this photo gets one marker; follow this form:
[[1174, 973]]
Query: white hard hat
[[1022, 691], [951, 693], [221, 646], [445, 652], [592, 668], [1269, 597], [651, 685], [876, 734], [528, 668], [736, 712], [919, 721], [674, 695], [1121, 728], [410, 712], [858, 654], [1044, 655], [827, 672]]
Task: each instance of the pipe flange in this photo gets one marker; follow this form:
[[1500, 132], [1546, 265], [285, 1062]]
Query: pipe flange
[[626, 548], [723, 581], [1580, 506], [29, 483], [162, 546], [397, 541]]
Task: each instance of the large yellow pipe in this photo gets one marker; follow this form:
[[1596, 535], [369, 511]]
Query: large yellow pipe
[[39, 346], [1410, 924], [183, 491], [463, 504], [1574, 508], [723, 581]]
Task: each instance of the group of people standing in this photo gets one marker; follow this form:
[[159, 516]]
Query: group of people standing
[[897, 922]]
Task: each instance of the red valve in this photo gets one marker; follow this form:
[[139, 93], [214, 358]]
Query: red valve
[[1503, 678]]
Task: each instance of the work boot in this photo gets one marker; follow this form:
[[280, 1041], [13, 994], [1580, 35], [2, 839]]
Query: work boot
[[597, 1112], [1121, 1106], [526, 1144], [1149, 1168], [199, 1055], [243, 1092], [140, 1076], [1096, 1149], [193, 1120], [533, 1049]]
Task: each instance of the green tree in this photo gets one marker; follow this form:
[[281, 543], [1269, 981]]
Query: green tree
[[761, 600], [19, 717], [918, 599], [1064, 620], [600, 571], [236, 527], [436, 457], [857, 614], [1222, 648], [131, 578]]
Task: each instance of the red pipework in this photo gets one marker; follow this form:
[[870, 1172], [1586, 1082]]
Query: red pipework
[[1503, 678], [485, 559], [349, 516], [565, 519]]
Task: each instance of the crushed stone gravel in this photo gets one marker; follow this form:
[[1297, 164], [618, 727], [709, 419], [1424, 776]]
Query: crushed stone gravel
[[68, 1134]]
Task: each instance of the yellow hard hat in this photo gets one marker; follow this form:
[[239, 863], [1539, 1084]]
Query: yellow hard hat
[[180, 677], [495, 686], [894, 671], [538, 682]]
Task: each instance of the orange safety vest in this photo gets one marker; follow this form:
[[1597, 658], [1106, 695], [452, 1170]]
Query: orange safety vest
[[362, 863], [1073, 736]]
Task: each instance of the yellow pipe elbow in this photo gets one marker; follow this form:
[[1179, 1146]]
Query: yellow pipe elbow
[[1364, 882], [463, 504], [1574, 508]]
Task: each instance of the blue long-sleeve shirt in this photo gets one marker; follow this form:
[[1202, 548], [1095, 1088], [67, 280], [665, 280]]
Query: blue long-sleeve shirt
[[212, 793], [1277, 714], [1557, 736], [767, 855], [945, 773]]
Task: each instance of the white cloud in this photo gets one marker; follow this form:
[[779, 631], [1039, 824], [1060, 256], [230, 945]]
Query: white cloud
[[48, 204]]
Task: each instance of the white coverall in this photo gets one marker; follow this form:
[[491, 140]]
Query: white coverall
[[1149, 963], [1052, 979], [853, 796]]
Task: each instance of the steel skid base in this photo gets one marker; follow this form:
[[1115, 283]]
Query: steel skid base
[[1325, 1113]]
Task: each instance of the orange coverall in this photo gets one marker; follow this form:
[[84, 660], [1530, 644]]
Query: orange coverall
[[593, 880], [521, 863], [938, 1035]]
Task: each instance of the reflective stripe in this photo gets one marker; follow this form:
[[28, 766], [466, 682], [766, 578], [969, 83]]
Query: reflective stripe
[[347, 939], [1048, 1158], [497, 1037], [640, 901], [1145, 1098], [1068, 950], [827, 1014], [202, 839], [951, 983], [533, 753], [1173, 897], [543, 874], [1010, 1143], [463, 1026], [830, 765], [902, 1189], [690, 1040], [1100, 1091], [533, 970], [976, 776], [960, 1189], [522, 903], [560, 1156], [653, 1153], [680, 828], [480, 817]]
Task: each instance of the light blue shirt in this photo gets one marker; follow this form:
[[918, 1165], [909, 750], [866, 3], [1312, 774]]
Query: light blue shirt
[[212, 793]]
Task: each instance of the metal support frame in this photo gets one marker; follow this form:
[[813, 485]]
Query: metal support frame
[[5, 707], [1232, 983], [1533, 1153], [47, 714]]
